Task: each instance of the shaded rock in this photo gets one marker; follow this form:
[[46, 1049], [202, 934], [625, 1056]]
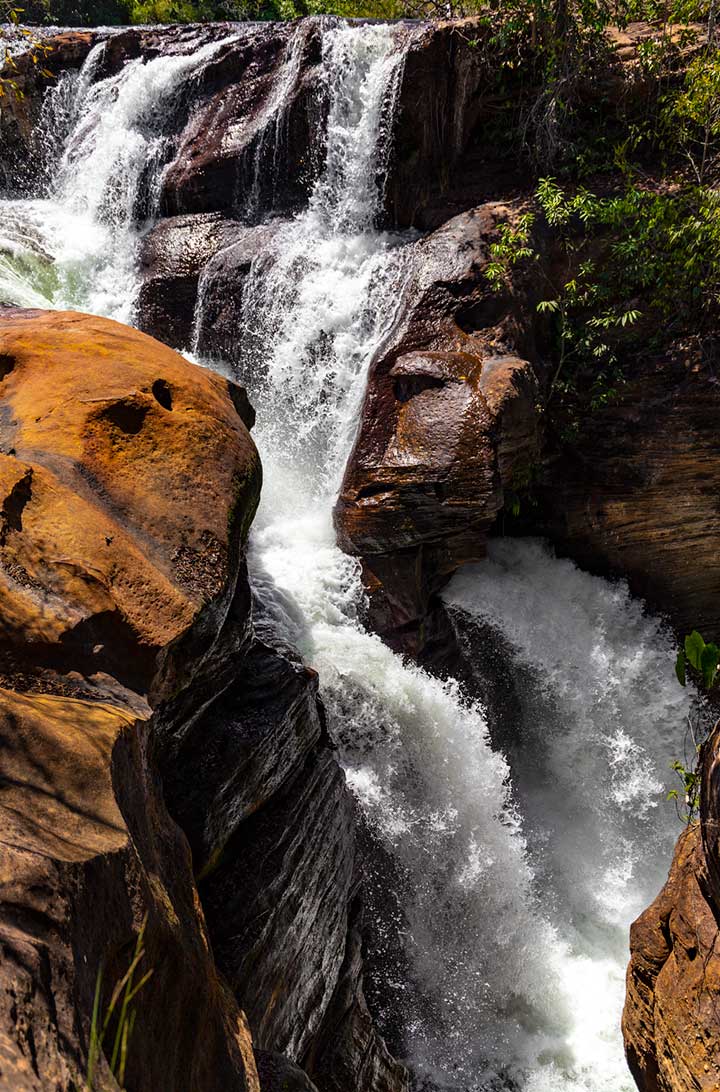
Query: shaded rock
[[277, 905], [349, 1052], [87, 854], [278, 1074], [633, 490], [439, 103], [245, 748], [448, 423], [172, 258], [112, 567]]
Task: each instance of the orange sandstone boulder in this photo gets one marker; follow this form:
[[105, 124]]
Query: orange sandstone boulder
[[128, 481]]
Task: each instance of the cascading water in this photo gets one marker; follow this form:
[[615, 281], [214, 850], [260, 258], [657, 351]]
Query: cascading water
[[518, 874], [77, 246]]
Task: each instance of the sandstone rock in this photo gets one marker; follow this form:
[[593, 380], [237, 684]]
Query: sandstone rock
[[135, 694], [87, 853], [112, 563], [449, 422], [278, 1074], [438, 105], [172, 257], [222, 334], [633, 492], [349, 1052], [670, 1022], [277, 905], [105, 563]]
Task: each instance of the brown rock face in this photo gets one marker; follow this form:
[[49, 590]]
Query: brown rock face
[[636, 492], [671, 1023], [106, 559], [249, 142], [448, 423], [172, 258], [110, 557]]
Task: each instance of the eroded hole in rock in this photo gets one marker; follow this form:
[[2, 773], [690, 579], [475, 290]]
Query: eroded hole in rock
[[374, 489], [162, 393], [481, 314], [127, 416], [7, 363], [408, 386], [13, 506]]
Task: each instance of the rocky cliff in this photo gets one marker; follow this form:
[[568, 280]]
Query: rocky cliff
[[670, 1022], [162, 762]]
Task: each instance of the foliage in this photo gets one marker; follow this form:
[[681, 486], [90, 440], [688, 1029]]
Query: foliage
[[696, 113], [120, 1013], [699, 662], [32, 44], [700, 658], [640, 265]]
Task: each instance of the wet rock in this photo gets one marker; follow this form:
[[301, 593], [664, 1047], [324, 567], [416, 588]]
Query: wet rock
[[277, 905], [252, 144], [222, 331], [448, 424], [138, 705], [439, 103], [172, 258], [349, 1053], [22, 167], [278, 1074]]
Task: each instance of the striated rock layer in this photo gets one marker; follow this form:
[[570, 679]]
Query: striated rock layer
[[162, 762]]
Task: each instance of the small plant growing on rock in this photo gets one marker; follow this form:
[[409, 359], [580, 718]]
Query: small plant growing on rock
[[697, 660], [120, 1012]]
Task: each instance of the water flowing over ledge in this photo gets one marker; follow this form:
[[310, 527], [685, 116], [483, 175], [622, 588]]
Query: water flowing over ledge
[[520, 860]]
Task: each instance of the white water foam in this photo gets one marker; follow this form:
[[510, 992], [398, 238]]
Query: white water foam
[[77, 246]]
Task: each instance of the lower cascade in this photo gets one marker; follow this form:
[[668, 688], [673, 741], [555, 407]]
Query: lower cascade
[[515, 815]]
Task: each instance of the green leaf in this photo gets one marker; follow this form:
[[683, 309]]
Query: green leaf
[[694, 645], [709, 664], [680, 668]]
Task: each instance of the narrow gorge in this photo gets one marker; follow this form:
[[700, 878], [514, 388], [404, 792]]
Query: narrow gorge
[[378, 764]]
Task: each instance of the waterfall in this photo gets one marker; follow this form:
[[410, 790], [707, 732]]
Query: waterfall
[[520, 857], [103, 139]]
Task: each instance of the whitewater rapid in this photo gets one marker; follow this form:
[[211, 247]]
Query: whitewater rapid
[[521, 855]]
